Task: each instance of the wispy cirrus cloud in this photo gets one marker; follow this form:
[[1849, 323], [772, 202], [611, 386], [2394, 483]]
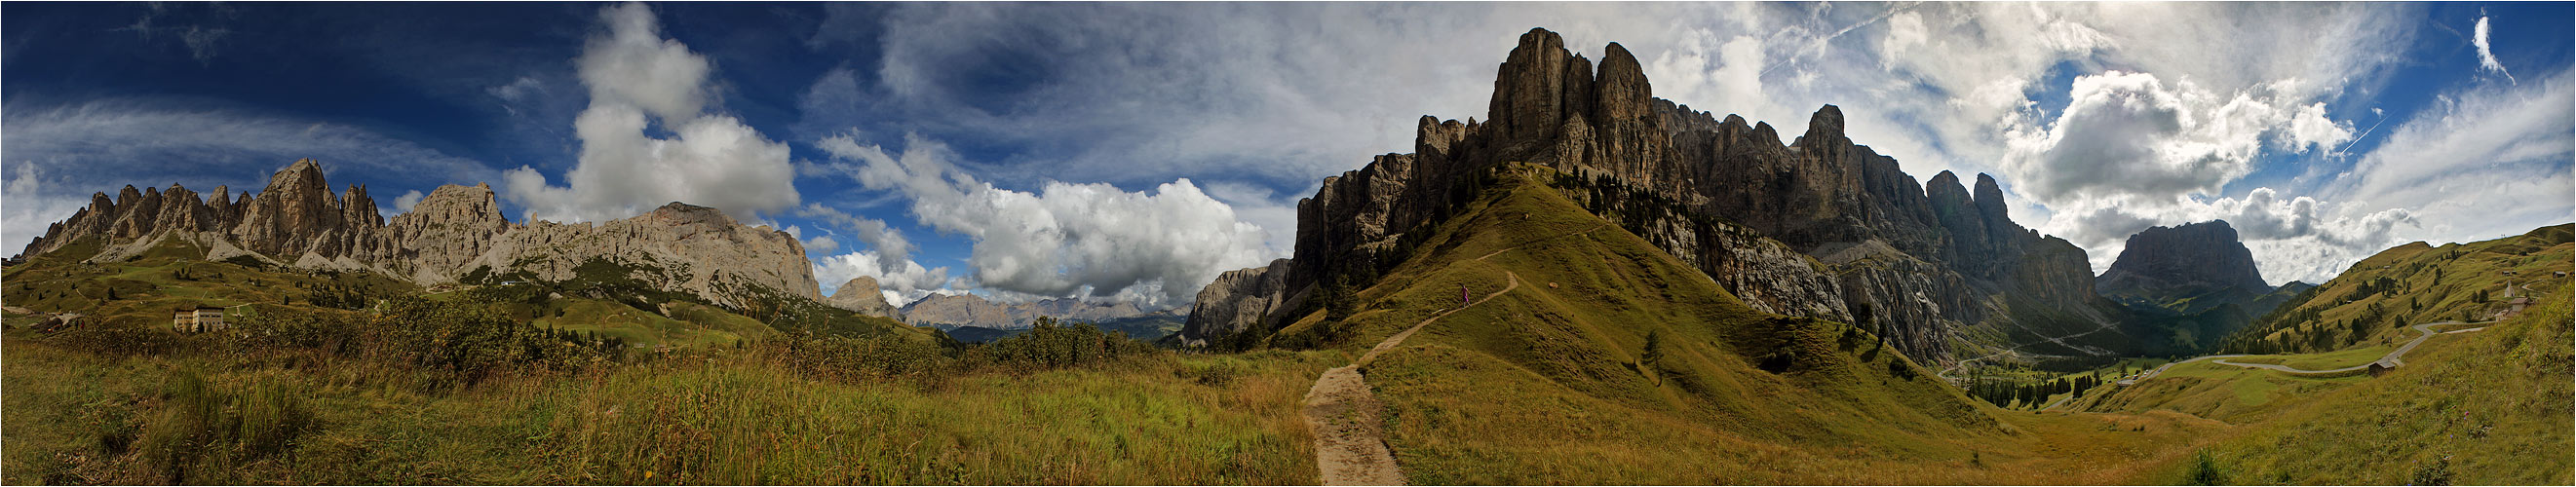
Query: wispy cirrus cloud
[[2485, 161], [125, 139], [57, 156]]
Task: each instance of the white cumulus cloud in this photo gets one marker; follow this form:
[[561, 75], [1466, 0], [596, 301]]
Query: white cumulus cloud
[[2131, 134], [885, 240], [403, 204], [639, 80], [2294, 238], [902, 284], [1086, 240], [31, 209]]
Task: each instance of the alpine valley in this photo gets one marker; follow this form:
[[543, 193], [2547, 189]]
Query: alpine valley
[[1585, 284]]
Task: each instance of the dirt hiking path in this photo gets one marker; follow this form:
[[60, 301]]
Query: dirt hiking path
[[1344, 414]]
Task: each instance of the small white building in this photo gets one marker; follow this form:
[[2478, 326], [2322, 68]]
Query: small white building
[[198, 319]]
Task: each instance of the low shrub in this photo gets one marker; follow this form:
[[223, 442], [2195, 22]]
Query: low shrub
[[2204, 470], [201, 426], [1049, 345], [861, 358]]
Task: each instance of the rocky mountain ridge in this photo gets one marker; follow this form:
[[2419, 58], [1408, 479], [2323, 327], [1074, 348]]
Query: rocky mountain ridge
[[1818, 227], [964, 310], [454, 232]]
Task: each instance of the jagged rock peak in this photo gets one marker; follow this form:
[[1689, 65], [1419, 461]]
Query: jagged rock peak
[[456, 199], [861, 295], [1825, 129], [1762, 131], [1946, 180], [1948, 195], [304, 173], [1990, 198], [1622, 87], [1529, 87], [684, 213]]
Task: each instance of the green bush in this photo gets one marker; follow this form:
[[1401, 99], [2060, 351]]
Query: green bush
[[454, 342], [117, 337], [1219, 372], [2204, 470], [271, 417], [174, 442], [2437, 472], [1048, 345], [861, 358], [469, 341]]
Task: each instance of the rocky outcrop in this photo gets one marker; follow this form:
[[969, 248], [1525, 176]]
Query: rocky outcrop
[[1237, 300], [1818, 227], [448, 230], [454, 231], [861, 295], [678, 247]]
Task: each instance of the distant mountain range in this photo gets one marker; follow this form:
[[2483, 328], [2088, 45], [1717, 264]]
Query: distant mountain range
[[457, 235], [454, 234], [965, 310]]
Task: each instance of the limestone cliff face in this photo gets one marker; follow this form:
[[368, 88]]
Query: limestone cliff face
[[678, 247], [453, 231], [448, 229], [1237, 300], [1817, 227]]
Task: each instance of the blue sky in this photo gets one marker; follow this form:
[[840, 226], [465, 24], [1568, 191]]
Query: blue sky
[[1133, 151]]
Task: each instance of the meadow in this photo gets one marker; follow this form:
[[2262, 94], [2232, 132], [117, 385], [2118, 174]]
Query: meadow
[[1597, 359], [732, 417]]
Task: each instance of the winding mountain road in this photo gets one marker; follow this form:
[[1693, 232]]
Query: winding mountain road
[[1944, 374], [1346, 417], [2395, 358]]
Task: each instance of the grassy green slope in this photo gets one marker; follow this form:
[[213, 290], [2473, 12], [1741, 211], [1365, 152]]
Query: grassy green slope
[[2480, 408], [2369, 303], [142, 291], [1549, 383], [2226, 393], [74, 417]]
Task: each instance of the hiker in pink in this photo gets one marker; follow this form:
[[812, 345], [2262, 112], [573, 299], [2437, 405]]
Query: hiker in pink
[[1462, 295]]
